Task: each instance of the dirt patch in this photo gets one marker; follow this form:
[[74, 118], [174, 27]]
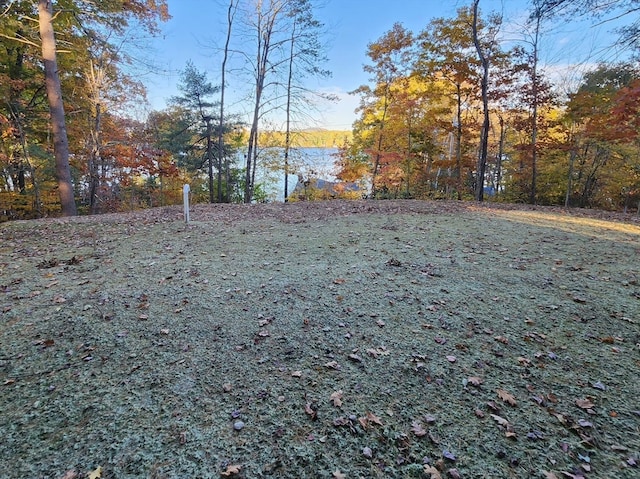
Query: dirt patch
[[311, 340]]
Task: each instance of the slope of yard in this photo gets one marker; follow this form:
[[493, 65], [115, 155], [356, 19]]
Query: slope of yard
[[324, 340]]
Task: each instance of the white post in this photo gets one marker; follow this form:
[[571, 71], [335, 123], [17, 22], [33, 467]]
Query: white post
[[185, 195]]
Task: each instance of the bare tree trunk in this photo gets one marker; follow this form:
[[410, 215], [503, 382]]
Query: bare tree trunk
[[56, 108], [261, 68], [210, 158], [287, 137], [500, 155], [94, 178], [484, 138], [572, 159], [534, 112], [459, 140], [376, 163], [233, 4]]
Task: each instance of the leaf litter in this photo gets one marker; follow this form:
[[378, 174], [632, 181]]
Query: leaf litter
[[135, 345]]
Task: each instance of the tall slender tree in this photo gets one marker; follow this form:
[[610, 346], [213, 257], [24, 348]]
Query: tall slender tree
[[196, 98], [483, 56], [390, 60], [446, 51], [305, 56], [56, 107], [231, 12]]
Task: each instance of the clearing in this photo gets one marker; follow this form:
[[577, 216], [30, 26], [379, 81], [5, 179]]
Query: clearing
[[388, 339]]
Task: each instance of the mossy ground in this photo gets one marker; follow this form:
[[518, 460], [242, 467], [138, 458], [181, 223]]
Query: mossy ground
[[368, 339]]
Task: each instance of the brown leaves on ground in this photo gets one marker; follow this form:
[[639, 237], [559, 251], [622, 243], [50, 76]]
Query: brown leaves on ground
[[584, 403], [369, 419], [475, 381], [311, 410], [376, 352], [506, 397], [231, 470], [509, 429], [336, 398], [432, 471], [418, 429], [96, 474]]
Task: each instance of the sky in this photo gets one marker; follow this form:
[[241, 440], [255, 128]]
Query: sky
[[198, 27]]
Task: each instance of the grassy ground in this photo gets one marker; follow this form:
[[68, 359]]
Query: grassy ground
[[357, 340]]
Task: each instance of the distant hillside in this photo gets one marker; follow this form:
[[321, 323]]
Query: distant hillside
[[311, 138]]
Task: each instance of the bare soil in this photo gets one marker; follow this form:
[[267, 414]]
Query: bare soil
[[391, 339]]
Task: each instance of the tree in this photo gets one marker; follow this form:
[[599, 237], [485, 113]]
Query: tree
[[390, 56], [278, 28], [196, 99], [446, 52], [305, 54], [483, 56], [56, 107], [603, 145], [231, 12], [265, 22], [83, 26]]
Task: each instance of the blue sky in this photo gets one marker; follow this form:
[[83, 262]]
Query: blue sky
[[197, 30]]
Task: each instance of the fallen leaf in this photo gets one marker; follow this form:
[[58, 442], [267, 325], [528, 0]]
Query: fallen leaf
[[231, 470], [338, 475], [418, 429], [549, 475], [506, 397], [95, 474], [454, 474], [435, 474], [374, 419], [584, 403], [500, 420], [572, 476], [449, 455], [339, 281], [311, 412], [332, 365], [501, 339], [70, 474], [336, 398], [475, 381], [296, 374], [375, 352]]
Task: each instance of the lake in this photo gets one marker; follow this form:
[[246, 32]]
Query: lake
[[310, 162]]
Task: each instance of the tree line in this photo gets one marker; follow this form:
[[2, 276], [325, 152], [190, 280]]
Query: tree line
[[457, 111], [71, 138], [452, 111]]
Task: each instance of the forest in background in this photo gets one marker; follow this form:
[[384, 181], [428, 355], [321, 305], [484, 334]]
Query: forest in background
[[453, 111]]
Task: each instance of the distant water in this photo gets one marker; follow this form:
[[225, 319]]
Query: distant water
[[310, 162]]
